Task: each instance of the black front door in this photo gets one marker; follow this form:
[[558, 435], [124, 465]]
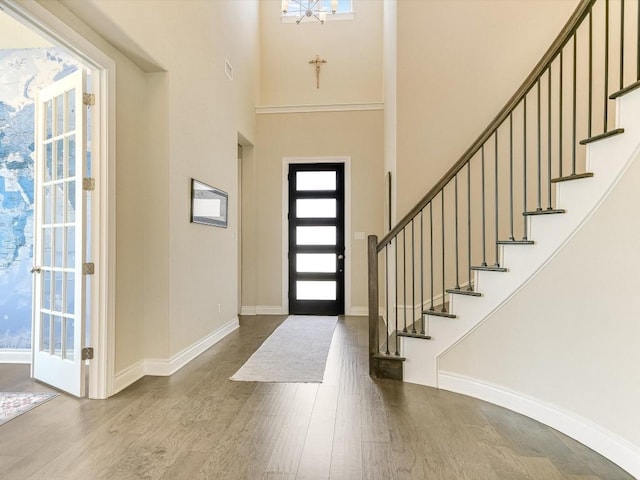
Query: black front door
[[316, 239]]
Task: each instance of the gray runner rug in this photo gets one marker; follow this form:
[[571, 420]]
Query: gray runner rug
[[295, 353]]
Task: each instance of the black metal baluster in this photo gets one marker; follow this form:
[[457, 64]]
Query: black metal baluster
[[443, 251], [549, 207], [397, 352], [404, 277], [524, 161], [484, 231], [497, 263], [431, 249], [469, 287], [422, 270], [386, 292], [511, 236], [621, 44], [413, 280], [575, 55], [455, 185], [560, 119], [590, 105], [606, 66], [539, 207]]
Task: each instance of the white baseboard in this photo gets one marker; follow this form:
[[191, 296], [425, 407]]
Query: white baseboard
[[166, 367], [359, 311], [269, 310], [15, 356], [261, 310], [362, 311], [128, 376], [610, 445]]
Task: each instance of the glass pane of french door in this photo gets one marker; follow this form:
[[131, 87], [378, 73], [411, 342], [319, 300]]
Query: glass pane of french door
[[316, 239], [59, 215]]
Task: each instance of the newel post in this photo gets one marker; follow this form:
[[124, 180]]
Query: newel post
[[374, 309]]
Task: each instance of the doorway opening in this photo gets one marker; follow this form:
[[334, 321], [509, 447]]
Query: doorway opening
[[58, 226]]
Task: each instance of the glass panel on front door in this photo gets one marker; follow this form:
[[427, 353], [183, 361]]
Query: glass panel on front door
[[316, 239]]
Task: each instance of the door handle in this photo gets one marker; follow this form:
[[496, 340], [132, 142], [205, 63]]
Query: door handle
[[36, 269], [340, 257]]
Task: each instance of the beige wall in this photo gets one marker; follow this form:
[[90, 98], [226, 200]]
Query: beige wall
[[352, 49], [357, 135], [390, 56], [448, 51]]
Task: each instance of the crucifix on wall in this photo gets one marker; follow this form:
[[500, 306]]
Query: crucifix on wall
[[317, 62]]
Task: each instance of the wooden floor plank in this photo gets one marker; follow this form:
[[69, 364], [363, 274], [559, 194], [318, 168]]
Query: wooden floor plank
[[199, 425], [287, 449], [315, 460], [377, 461]]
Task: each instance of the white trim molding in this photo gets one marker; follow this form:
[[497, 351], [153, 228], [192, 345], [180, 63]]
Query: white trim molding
[[269, 310], [128, 376], [610, 445], [329, 107], [360, 311], [162, 367], [262, 310], [11, 355]]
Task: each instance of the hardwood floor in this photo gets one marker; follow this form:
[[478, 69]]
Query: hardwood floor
[[199, 425]]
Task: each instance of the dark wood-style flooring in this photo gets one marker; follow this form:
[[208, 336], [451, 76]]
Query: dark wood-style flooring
[[198, 425]]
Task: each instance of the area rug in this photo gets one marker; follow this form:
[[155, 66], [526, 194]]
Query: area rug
[[14, 404], [295, 353]]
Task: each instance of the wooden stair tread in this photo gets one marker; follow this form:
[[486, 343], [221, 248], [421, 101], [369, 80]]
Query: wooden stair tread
[[515, 242], [414, 335], [602, 136], [625, 90], [544, 211], [441, 310], [391, 356], [573, 176], [460, 291], [489, 268]]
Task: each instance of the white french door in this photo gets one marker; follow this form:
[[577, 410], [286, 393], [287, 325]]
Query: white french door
[[60, 235]]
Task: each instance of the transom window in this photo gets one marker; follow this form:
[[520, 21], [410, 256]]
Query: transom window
[[296, 10]]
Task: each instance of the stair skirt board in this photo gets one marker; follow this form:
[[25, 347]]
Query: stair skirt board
[[594, 436], [607, 160]]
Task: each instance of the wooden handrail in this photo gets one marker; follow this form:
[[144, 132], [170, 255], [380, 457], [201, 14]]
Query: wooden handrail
[[561, 40]]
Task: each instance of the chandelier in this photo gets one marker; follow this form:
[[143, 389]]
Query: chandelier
[[309, 9]]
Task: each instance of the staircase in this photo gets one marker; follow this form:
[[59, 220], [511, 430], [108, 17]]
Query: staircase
[[515, 197], [607, 160]]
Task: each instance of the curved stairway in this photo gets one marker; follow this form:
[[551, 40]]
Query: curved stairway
[[607, 159]]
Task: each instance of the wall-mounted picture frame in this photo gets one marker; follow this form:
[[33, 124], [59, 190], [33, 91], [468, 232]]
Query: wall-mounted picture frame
[[208, 204]]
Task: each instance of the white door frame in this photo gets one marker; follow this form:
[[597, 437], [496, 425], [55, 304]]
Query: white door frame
[[102, 328], [286, 161]]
